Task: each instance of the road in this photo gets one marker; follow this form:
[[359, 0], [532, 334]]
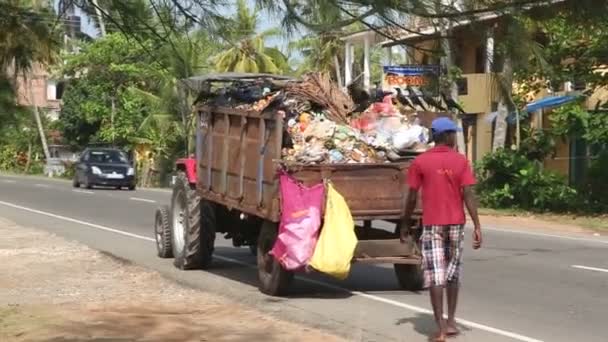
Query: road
[[521, 286]]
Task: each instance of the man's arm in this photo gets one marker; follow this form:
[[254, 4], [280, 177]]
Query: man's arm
[[410, 206], [414, 182], [471, 202]]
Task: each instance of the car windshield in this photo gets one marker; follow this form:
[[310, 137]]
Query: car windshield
[[108, 157]]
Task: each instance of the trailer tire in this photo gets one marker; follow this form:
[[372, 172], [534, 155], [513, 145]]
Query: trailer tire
[[194, 226], [274, 280], [162, 232], [410, 277]]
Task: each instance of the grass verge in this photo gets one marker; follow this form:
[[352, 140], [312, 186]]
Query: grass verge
[[597, 222]]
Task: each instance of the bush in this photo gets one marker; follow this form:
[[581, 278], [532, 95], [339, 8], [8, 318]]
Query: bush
[[596, 185], [508, 179], [69, 169], [8, 158], [36, 167]]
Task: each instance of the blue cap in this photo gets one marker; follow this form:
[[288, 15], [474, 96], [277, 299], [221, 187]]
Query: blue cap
[[444, 124]]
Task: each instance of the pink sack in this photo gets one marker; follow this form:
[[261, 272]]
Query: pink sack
[[300, 222]]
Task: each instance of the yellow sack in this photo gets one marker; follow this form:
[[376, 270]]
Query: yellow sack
[[337, 241]]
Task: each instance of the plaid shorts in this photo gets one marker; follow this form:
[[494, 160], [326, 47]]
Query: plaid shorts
[[441, 254]]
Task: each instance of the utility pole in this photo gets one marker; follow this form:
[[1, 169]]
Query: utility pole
[[112, 120]]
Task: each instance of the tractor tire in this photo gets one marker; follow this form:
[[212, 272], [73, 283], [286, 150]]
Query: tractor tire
[[162, 232], [194, 226], [274, 280]]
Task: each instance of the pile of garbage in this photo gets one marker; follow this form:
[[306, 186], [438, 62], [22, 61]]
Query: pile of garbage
[[322, 125]]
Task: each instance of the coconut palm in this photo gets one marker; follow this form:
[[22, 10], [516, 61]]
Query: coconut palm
[[248, 51]]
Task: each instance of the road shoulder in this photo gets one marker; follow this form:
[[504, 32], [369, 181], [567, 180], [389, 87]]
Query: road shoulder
[[54, 289]]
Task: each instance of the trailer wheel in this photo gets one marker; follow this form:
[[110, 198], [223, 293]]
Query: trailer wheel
[[162, 232], [410, 277], [273, 278], [193, 222]]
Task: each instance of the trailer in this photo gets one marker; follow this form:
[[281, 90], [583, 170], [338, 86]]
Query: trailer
[[231, 187]]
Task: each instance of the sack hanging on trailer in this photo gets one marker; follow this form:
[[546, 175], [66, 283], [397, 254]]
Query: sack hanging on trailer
[[300, 222], [337, 241]]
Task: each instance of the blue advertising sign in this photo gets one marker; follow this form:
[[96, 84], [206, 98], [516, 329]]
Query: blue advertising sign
[[417, 76]]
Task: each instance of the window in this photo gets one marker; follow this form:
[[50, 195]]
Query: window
[[51, 90], [109, 157]]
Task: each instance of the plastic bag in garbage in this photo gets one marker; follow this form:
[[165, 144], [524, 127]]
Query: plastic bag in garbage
[[337, 242], [410, 137]]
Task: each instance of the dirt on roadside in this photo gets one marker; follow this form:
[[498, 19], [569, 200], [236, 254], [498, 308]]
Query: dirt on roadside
[[56, 290]]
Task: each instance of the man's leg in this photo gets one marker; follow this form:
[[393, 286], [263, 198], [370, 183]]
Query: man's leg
[[452, 290], [454, 254], [434, 263], [437, 303]]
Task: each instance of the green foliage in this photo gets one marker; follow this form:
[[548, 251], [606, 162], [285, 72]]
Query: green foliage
[[597, 184], [572, 120], [508, 179], [536, 144], [99, 105], [8, 158], [26, 37], [70, 170], [562, 51]]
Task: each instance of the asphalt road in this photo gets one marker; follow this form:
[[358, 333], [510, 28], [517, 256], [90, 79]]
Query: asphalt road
[[522, 286]]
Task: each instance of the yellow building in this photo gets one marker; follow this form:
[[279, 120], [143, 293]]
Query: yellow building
[[474, 47]]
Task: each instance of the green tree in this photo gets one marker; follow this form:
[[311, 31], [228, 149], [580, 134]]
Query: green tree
[[247, 50], [99, 104], [27, 38]]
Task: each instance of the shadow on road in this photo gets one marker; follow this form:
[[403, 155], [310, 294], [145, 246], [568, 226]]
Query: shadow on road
[[364, 278], [425, 324]]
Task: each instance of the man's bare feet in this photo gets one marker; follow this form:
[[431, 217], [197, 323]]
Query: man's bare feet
[[442, 334], [439, 337], [451, 329]]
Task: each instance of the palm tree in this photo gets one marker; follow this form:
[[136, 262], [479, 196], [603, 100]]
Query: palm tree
[[27, 39], [248, 51]]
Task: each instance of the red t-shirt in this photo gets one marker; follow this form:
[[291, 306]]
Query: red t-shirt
[[442, 173]]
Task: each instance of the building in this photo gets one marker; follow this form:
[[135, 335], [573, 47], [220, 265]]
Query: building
[[474, 44], [43, 89]]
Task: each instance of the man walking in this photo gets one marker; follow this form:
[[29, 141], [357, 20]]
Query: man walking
[[445, 178]]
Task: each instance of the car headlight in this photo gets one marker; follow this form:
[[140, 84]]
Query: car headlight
[[130, 171], [96, 170]]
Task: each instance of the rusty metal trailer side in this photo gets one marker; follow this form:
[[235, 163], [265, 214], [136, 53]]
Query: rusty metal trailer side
[[237, 154]]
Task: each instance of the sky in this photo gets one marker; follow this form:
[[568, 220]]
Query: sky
[[266, 22]]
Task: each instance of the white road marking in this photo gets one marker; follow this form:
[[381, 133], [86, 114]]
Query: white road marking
[[9, 181], [84, 223], [471, 324], [142, 200], [83, 191], [42, 185], [596, 269]]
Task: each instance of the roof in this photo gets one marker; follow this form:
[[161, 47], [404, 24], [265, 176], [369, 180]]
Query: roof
[[549, 101], [401, 35]]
